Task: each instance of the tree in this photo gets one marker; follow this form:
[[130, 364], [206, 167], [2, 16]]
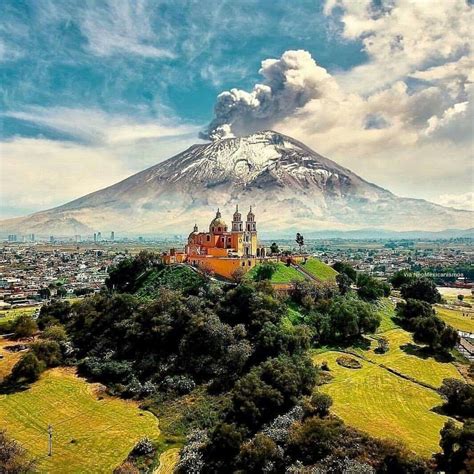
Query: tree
[[421, 289], [27, 369], [459, 397], [44, 293], [274, 249], [24, 326], [55, 312], [13, 457], [343, 283], [54, 333], [458, 448], [346, 269], [299, 240], [318, 405], [460, 297], [265, 271], [412, 309], [400, 278], [48, 352], [369, 288], [260, 454]]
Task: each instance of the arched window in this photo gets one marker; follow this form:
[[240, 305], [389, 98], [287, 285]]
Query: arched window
[[219, 229], [243, 264], [208, 237]]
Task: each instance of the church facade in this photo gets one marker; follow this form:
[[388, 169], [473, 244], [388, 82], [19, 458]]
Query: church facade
[[223, 249]]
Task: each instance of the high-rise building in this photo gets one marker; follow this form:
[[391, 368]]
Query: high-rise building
[[95, 237], [51, 238], [32, 237], [112, 236], [99, 236], [12, 238]]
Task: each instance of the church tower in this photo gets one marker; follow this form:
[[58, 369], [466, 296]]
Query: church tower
[[250, 236], [237, 232]]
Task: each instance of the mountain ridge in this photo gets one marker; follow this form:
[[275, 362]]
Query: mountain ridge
[[290, 185]]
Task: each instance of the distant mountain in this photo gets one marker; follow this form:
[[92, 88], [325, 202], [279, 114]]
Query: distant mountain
[[290, 186]]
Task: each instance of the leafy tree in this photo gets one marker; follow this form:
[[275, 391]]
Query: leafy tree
[[344, 283], [274, 249], [318, 405], [369, 288], [56, 333], [53, 313], [412, 309], [459, 397], [13, 457], [270, 389], [27, 369], [44, 293], [434, 332], [299, 240], [24, 326], [458, 448], [421, 289], [401, 278], [48, 352], [460, 297], [346, 269], [260, 454], [265, 271]]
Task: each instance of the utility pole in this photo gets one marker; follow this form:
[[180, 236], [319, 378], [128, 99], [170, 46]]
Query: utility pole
[[50, 440]]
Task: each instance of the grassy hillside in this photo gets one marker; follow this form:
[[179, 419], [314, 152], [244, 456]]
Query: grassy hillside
[[456, 319], [384, 405], [90, 434], [7, 316], [405, 357], [283, 274], [319, 269]]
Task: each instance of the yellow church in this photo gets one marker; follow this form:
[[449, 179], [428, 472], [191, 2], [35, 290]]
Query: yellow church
[[221, 250]]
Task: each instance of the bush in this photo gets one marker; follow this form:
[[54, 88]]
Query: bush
[[371, 289], [28, 369], [48, 352], [55, 333], [421, 289], [459, 398], [318, 405], [348, 362], [265, 271], [24, 326]]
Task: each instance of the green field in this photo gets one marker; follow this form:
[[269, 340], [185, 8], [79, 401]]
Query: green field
[[421, 369], [89, 434], [319, 269], [456, 319], [384, 405], [282, 274], [386, 309]]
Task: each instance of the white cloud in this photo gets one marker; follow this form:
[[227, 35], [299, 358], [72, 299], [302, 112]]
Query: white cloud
[[97, 127], [458, 201]]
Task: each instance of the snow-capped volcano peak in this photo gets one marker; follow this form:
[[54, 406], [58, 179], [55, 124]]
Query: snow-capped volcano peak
[[290, 185]]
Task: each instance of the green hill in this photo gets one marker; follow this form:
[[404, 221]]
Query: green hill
[[319, 270]]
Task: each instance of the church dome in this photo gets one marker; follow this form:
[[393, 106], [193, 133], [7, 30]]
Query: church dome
[[218, 224]]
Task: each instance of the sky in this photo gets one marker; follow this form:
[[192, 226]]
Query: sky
[[94, 91]]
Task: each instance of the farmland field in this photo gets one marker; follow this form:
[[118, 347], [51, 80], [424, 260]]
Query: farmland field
[[384, 405], [90, 433], [319, 269], [456, 319], [422, 369]]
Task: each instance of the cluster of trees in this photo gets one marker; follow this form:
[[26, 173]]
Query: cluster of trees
[[368, 287], [457, 442], [418, 316], [13, 457]]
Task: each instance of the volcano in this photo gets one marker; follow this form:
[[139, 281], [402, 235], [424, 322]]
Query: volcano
[[290, 187]]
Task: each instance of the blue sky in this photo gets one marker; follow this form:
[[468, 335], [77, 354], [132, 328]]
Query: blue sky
[[98, 90]]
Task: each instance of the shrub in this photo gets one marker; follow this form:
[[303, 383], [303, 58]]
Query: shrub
[[55, 332], [348, 362], [48, 352], [24, 326], [421, 289], [28, 369]]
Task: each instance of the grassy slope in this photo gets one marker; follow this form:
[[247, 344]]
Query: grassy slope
[[425, 370], [456, 319], [9, 359], [104, 430], [384, 405], [319, 269], [386, 309], [283, 274]]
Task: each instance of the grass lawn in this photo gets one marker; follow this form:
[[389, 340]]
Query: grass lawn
[[455, 318], [319, 269], [89, 434], [283, 274], [384, 405], [9, 359], [426, 370], [386, 309]]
